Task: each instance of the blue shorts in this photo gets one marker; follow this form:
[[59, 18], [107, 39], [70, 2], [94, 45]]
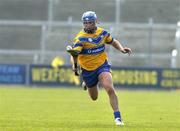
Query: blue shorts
[[91, 77]]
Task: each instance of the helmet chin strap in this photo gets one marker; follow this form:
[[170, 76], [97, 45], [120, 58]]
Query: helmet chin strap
[[90, 31]]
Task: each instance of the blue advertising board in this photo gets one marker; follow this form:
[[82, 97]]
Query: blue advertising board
[[46, 75], [146, 77], [132, 77], [12, 74]]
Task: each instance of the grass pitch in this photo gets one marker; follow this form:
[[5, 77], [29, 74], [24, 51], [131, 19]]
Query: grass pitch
[[63, 109]]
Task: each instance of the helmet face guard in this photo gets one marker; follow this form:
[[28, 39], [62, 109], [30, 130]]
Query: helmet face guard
[[90, 26], [89, 19]]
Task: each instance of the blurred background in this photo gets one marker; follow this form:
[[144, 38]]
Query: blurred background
[[35, 31]]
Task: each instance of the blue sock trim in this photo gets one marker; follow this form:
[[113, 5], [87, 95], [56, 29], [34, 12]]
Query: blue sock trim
[[117, 114]]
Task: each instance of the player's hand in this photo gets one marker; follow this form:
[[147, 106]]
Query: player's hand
[[75, 69], [126, 50]]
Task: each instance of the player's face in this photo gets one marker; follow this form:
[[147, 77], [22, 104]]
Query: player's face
[[89, 24]]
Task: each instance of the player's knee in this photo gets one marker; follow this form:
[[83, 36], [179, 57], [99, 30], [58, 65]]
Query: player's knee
[[110, 91], [94, 98]]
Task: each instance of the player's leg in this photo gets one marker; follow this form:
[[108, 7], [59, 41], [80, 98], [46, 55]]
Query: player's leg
[[93, 92], [90, 79], [105, 78]]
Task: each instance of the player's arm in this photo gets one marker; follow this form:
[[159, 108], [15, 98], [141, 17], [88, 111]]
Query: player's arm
[[74, 56], [116, 44], [74, 50], [74, 63]]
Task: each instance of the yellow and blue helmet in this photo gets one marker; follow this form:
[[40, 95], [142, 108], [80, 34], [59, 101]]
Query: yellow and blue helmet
[[89, 16]]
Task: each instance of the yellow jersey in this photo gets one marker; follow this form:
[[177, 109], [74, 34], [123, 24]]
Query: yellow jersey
[[91, 48]]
